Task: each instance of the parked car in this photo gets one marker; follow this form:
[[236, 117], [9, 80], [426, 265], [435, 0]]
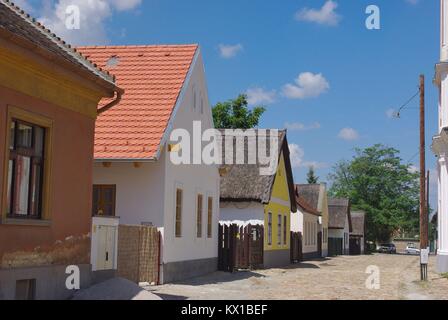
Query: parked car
[[411, 248], [387, 248]]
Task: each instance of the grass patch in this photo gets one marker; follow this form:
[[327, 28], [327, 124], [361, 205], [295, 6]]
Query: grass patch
[[445, 275]]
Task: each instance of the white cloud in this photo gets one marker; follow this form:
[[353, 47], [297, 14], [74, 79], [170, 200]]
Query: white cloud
[[307, 85], [326, 15], [93, 15], [348, 134], [259, 95], [230, 51], [391, 113], [297, 155], [297, 126]]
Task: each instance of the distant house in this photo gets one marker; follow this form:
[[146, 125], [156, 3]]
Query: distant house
[[49, 96], [306, 221], [247, 197], [134, 176], [315, 195], [339, 226], [357, 236]]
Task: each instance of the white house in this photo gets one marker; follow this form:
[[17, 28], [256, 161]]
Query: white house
[[339, 226], [315, 226], [306, 221], [357, 235], [440, 142], [134, 177]]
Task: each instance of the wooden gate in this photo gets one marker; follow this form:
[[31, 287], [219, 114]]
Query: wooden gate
[[355, 246], [240, 247], [296, 247], [335, 247]]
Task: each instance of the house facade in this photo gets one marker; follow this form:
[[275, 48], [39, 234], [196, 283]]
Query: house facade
[[49, 96], [315, 195], [339, 226], [440, 141], [247, 197], [306, 221], [357, 235], [166, 92]]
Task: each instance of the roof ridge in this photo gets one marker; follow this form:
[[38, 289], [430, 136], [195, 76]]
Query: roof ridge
[[59, 41], [138, 46]]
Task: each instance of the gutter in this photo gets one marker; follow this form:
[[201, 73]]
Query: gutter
[[117, 100]]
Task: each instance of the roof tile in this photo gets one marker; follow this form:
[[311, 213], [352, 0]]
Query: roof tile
[[152, 77]]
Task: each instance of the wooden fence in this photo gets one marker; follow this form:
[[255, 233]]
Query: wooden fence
[[296, 247], [240, 247], [138, 253]]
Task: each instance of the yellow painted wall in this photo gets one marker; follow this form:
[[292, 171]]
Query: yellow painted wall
[[280, 207], [22, 73]]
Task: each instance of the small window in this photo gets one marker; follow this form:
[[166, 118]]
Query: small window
[[104, 200], [285, 231], [199, 216], [26, 289], [279, 229], [202, 106], [209, 217], [178, 228], [25, 170], [270, 228]]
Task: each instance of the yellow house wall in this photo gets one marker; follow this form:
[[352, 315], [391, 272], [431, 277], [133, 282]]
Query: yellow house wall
[[279, 205]]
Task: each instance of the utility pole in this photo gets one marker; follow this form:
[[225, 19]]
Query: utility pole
[[423, 200]]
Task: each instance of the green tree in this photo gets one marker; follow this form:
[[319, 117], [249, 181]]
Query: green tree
[[311, 176], [235, 114], [377, 181]]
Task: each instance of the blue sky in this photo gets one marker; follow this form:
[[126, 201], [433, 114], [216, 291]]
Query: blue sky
[[355, 75]]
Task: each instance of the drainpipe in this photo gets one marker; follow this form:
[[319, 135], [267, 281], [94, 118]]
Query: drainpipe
[[117, 100]]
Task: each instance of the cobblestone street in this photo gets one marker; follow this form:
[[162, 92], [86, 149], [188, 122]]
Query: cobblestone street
[[330, 279]]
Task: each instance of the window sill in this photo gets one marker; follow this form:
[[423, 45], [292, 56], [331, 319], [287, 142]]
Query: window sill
[[26, 222]]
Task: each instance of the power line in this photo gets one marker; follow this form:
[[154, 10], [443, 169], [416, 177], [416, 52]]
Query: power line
[[397, 115]]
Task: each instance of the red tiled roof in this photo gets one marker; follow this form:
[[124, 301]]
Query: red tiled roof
[[152, 78]]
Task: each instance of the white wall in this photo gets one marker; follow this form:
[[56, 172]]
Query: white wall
[[193, 179], [139, 191], [297, 221], [242, 211], [314, 220]]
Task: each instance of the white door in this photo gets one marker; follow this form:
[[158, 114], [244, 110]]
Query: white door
[[106, 248]]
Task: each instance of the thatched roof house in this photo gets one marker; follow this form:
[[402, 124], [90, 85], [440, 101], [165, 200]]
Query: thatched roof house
[[338, 212], [358, 223], [244, 183]]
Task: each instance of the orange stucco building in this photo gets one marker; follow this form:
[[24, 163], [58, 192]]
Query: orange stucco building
[[49, 96]]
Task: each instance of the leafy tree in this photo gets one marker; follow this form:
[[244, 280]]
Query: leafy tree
[[235, 114], [311, 177], [377, 181]]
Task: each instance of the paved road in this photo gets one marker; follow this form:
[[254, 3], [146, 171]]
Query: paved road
[[330, 279]]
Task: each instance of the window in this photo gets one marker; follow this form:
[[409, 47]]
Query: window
[[270, 228], [202, 106], [199, 216], [25, 170], [104, 200], [279, 229], [285, 231], [178, 228], [209, 216]]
